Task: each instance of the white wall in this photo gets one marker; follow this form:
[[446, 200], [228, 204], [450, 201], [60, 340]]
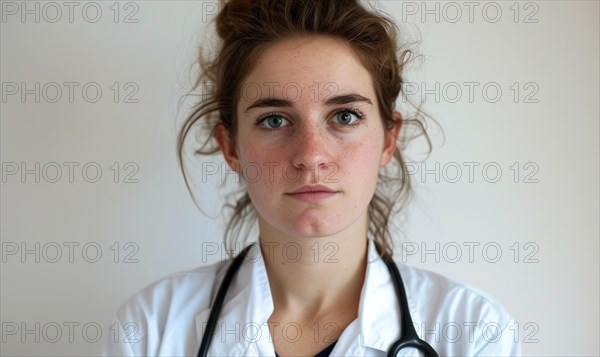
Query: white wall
[[550, 129]]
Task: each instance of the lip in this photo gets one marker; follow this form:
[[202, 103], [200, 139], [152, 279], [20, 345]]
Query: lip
[[312, 193], [311, 189]]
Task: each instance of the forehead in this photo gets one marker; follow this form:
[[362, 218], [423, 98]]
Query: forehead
[[307, 61]]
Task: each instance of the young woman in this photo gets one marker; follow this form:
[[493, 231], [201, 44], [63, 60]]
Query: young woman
[[303, 109]]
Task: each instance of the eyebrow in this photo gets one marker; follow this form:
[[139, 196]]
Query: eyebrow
[[336, 100]]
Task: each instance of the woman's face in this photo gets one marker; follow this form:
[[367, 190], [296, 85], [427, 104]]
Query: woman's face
[[308, 116]]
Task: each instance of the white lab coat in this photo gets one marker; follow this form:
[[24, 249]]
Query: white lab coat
[[168, 317]]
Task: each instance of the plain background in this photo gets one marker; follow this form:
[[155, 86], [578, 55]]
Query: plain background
[[533, 226]]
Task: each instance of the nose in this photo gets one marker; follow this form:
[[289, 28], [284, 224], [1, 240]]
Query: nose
[[310, 148]]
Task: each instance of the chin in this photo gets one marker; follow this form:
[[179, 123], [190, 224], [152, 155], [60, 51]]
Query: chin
[[312, 232], [309, 223], [314, 228]]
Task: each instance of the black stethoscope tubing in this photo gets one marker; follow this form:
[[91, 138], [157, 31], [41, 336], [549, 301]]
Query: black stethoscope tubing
[[408, 339]]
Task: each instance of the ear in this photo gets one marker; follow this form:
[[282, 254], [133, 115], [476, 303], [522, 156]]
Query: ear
[[228, 147], [390, 138]]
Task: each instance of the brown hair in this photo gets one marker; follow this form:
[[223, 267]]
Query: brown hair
[[246, 28]]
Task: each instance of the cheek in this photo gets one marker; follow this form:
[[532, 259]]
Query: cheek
[[364, 153], [364, 165], [360, 167], [261, 171], [254, 153]]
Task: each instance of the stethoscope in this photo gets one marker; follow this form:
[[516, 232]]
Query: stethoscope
[[409, 338]]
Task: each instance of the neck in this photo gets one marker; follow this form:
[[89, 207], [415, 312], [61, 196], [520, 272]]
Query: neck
[[315, 276]]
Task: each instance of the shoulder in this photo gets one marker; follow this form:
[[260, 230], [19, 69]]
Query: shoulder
[[444, 292], [193, 287], [183, 282], [174, 300], [458, 313]]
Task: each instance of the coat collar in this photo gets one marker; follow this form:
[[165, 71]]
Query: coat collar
[[242, 328]]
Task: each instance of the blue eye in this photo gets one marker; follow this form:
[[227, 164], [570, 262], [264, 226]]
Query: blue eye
[[273, 121], [347, 117]]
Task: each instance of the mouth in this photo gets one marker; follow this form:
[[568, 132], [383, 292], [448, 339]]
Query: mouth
[[312, 193]]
